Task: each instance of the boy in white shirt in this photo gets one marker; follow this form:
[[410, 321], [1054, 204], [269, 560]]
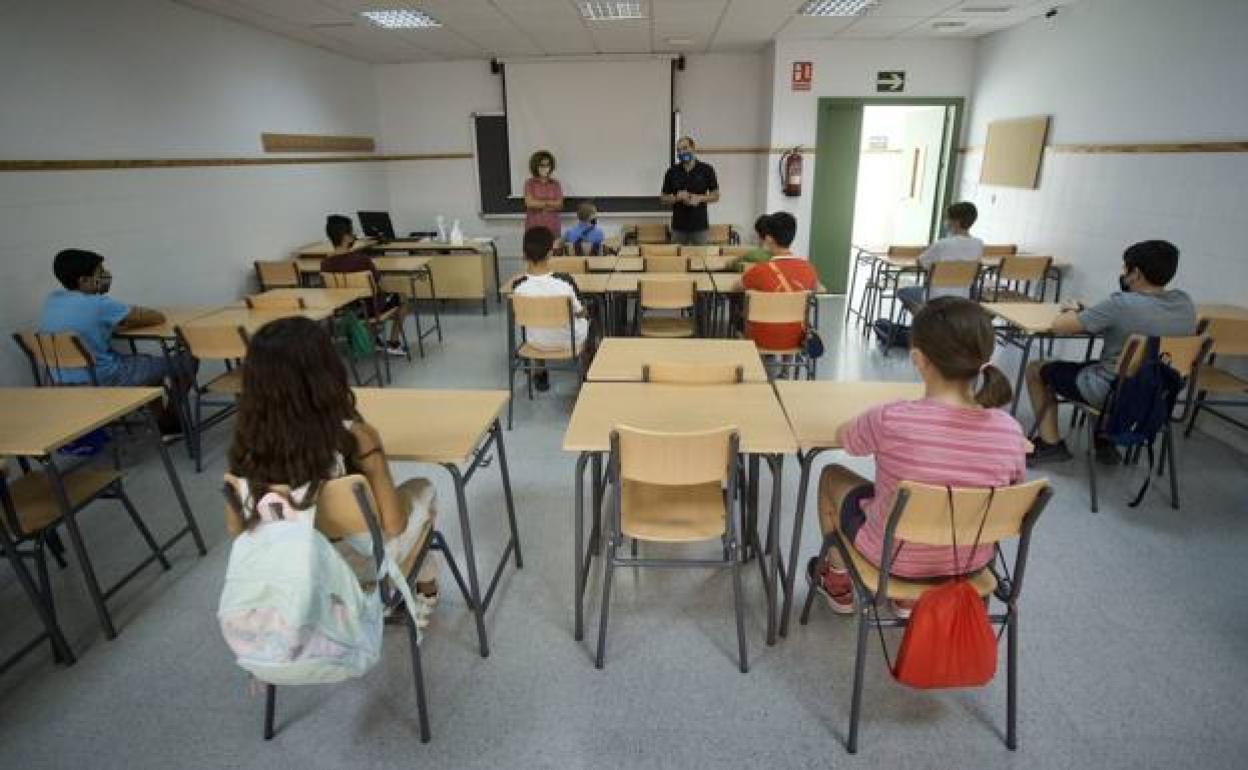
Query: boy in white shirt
[[539, 281], [958, 246]]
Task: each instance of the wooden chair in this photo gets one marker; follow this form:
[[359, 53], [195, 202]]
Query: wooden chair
[[649, 232], [734, 251], [630, 251], [1229, 338], [346, 508], [660, 250], [570, 265], [525, 313], [666, 295], [1185, 355], [1000, 249], [880, 280], [959, 275], [721, 234], [274, 274], [49, 353], [781, 308], [1016, 279], [941, 516], [227, 344], [274, 302], [699, 251], [363, 279], [666, 264], [673, 488], [680, 373]]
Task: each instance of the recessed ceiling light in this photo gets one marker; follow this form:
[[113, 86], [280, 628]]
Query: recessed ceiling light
[[986, 9], [402, 18], [680, 41], [948, 24], [836, 7], [611, 10]]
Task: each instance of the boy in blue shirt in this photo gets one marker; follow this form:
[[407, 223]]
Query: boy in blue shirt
[[585, 237]]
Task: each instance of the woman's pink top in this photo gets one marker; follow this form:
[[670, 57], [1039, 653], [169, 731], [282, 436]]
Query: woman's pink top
[[545, 190]]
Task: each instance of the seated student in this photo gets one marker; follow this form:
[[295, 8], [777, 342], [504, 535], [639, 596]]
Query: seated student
[[297, 427], [954, 436], [84, 308], [585, 237], [539, 281], [1143, 306], [759, 253], [958, 246], [784, 272], [346, 259]]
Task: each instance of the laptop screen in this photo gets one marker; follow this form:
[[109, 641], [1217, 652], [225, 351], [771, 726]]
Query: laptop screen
[[376, 224]]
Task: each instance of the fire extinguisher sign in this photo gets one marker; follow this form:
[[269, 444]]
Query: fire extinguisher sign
[[803, 74]]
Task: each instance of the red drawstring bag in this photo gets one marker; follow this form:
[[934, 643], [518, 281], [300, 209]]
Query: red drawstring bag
[[948, 641]]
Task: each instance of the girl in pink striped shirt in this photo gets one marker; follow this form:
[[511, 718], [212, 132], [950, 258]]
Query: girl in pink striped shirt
[[954, 436]]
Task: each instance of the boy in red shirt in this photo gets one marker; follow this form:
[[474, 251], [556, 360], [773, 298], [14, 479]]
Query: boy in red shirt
[[783, 273]]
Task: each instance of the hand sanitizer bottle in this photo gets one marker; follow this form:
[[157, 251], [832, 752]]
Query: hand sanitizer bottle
[[441, 229], [457, 235]]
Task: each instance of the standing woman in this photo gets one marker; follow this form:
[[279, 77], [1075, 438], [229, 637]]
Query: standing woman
[[543, 195]]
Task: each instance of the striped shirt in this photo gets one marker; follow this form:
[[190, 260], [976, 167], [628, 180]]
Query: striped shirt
[[931, 442]]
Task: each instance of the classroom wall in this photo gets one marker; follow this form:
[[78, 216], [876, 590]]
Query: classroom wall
[[848, 68], [426, 107], [153, 79]]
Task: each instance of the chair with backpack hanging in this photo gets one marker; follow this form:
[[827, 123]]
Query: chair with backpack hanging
[[294, 611], [948, 639]]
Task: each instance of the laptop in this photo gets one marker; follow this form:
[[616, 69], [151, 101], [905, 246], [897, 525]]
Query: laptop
[[376, 225]]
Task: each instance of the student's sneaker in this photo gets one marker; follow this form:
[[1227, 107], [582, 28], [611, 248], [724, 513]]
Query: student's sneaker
[[1046, 453], [832, 584], [541, 381], [395, 349], [902, 608]]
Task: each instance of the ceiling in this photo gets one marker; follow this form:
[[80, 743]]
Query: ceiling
[[475, 29]]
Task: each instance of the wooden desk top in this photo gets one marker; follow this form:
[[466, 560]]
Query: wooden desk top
[[601, 264], [174, 316], [34, 422], [470, 245], [751, 407], [1031, 317], [627, 282], [1228, 312], [816, 408], [728, 283], [391, 264], [620, 359], [252, 320], [586, 283], [430, 426], [328, 299], [714, 264], [322, 249]]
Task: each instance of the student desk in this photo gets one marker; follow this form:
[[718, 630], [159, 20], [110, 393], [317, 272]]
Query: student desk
[[751, 407], [36, 422], [451, 428], [327, 299], [402, 275], [1228, 312], [620, 359], [816, 410], [1026, 322], [252, 320], [614, 264], [460, 270]]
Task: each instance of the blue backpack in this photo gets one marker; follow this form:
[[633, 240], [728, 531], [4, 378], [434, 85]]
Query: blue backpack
[[1141, 404]]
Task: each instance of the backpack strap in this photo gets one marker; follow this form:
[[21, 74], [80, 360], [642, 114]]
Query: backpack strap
[[784, 279]]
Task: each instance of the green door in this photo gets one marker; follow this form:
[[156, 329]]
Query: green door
[[836, 185]]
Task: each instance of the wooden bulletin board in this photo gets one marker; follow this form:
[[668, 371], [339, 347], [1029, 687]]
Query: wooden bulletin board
[[1012, 152]]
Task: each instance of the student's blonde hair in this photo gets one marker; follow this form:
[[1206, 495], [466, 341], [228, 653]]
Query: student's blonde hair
[[586, 211]]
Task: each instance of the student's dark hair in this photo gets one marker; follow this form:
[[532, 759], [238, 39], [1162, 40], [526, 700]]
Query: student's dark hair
[[1157, 261], [337, 227], [538, 241], [536, 159], [71, 265], [956, 335], [292, 410], [760, 225], [782, 228], [964, 213]]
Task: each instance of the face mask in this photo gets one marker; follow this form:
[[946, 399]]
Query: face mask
[[684, 157], [1122, 283], [101, 283], [543, 170]]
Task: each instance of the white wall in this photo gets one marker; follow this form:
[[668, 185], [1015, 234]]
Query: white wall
[[1115, 71], [934, 68], [149, 78], [427, 107]]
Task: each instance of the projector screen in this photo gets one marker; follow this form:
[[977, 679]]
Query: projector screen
[[608, 124]]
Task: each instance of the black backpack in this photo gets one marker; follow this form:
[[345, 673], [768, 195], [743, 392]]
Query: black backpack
[[1141, 404]]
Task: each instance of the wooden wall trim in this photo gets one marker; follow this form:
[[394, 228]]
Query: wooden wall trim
[[1135, 148], [316, 143], [751, 150], [159, 163]]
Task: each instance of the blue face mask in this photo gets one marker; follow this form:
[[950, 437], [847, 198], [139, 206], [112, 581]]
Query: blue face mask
[[684, 157]]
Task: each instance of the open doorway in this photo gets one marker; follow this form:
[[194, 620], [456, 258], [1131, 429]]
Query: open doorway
[[883, 175]]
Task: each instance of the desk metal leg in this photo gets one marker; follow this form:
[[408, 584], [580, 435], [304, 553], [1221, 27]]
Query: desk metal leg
[[498, 284], [80, 550], [420, 334], [806, 461], [470, 557], [579, 558], [497, 429], [776, 463], [52, 631], [191, 525], [1022, 370]]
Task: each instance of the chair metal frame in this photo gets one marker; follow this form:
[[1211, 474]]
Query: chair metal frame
[[517, 362], [224, 409], [1214, 406]]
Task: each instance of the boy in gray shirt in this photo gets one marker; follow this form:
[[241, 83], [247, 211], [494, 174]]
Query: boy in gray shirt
[[1144, 306]]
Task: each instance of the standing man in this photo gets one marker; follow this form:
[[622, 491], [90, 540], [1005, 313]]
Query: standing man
[[687, 187]]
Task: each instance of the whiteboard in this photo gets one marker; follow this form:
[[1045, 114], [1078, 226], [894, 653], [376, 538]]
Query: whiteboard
[[608, 124]]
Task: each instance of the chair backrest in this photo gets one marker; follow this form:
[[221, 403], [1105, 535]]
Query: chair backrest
[[699, 251], [214, 343], [681, 373], [48, 352], [1229, 335], [666, 294], [906, 252], [651, 233], [673, 459], [666, 264], [953, 274], [921, 512], [275, 302], [1000, 249], [277, 274], [1185, 353], [733, 251], [719, 234], [776, 307], [660, 250], [542, 312], [632, 250], [572, 265], [1031, 269], [359, 279]]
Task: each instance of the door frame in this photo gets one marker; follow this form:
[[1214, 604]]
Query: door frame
[[830, 247]]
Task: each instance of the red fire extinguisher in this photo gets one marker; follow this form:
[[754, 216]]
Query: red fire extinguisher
[[791, 172]]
